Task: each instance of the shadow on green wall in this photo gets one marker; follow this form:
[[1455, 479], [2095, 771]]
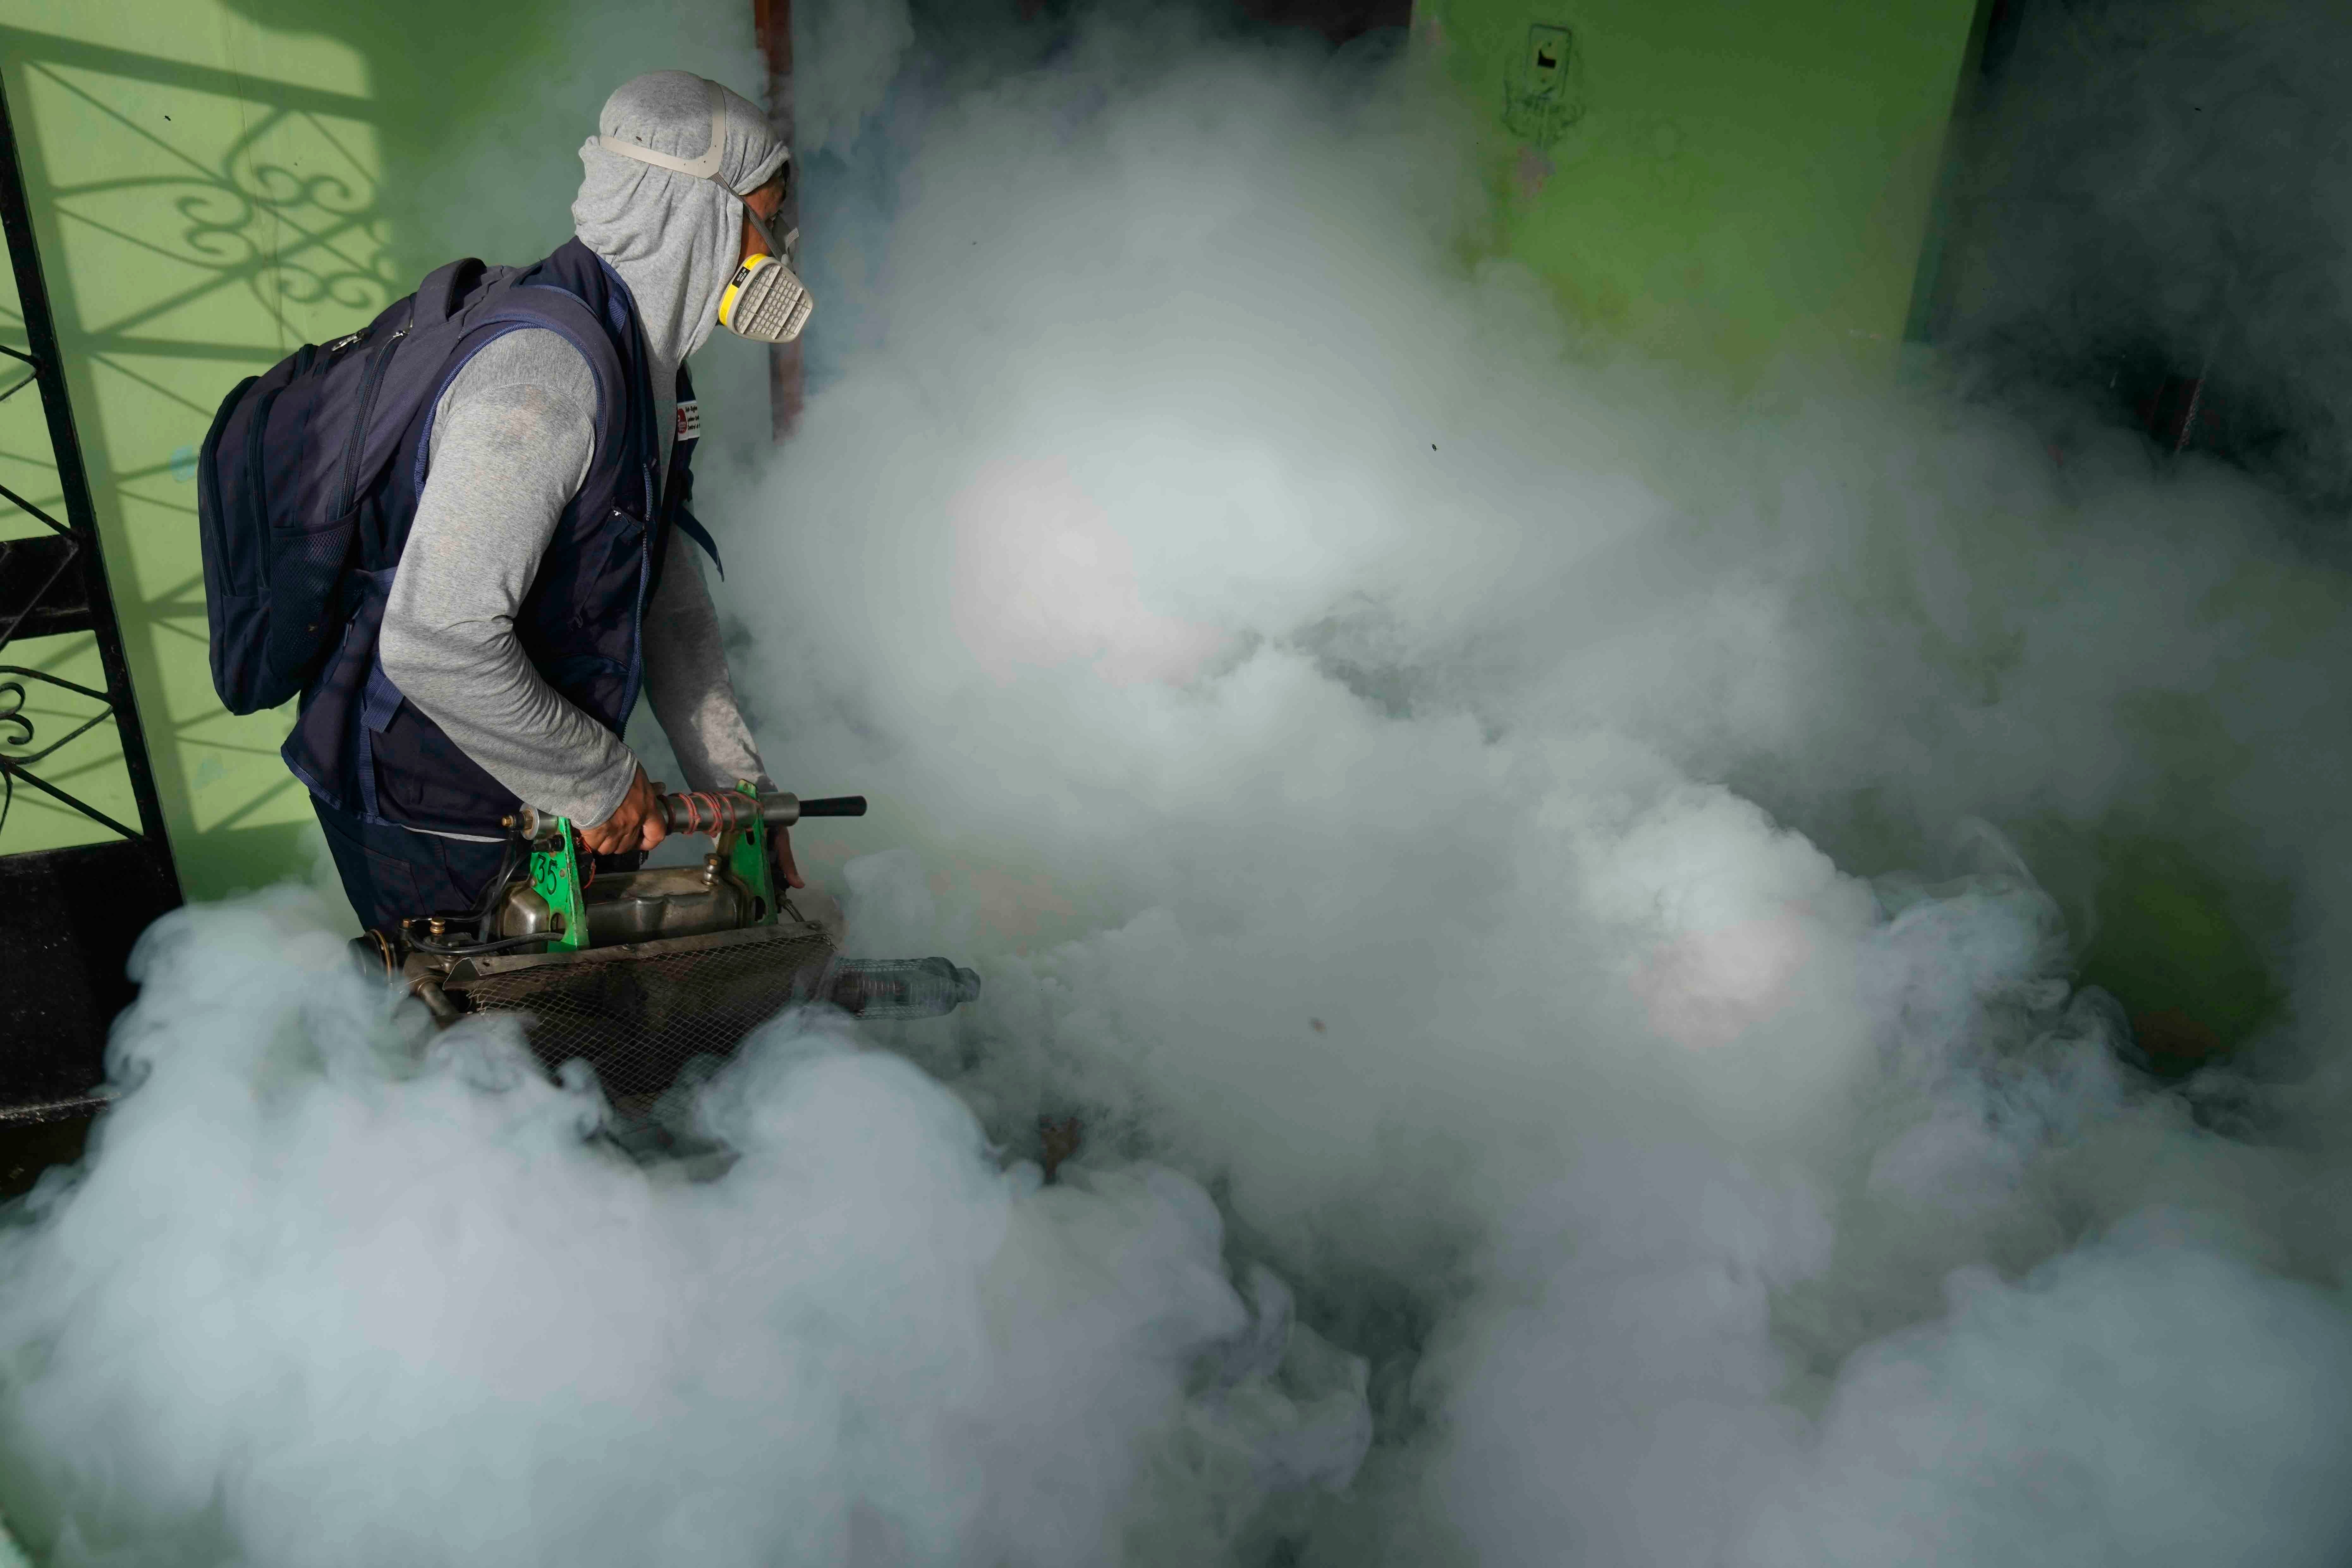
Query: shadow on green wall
[[170, 255], [451, 81], [202, 217]]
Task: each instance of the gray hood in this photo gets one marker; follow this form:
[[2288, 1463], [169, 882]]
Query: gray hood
[[674, 239]]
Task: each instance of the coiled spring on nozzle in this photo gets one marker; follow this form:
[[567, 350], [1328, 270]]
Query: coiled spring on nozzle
[[714, 812], [702, 811]]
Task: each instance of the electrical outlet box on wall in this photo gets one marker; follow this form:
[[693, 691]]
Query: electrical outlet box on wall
[[1725, 185]]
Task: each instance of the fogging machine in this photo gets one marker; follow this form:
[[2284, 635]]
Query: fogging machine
[[640, 971]]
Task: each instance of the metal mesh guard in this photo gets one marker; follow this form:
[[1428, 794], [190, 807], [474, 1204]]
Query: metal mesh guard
[[639, 1013]]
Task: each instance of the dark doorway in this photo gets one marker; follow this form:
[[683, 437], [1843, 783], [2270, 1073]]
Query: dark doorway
[[2145, 226]]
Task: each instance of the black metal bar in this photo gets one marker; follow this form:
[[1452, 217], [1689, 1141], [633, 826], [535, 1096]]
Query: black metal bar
[[37, 585], [29, 509], [73, 482], [18, 764], [15, 772], [47, 678], [13, 1116]]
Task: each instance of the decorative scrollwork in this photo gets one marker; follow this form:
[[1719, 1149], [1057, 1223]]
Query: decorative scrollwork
[[12, 716], [16, 733], [12, 713], [351, 287], [216, 217], [275, 185], [294, 238]]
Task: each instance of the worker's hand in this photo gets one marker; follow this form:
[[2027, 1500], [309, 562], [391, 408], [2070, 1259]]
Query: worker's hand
[[785, 868], [635, 824]]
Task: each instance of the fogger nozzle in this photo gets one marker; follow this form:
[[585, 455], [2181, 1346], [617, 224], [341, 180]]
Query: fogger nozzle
[[712, 812], [716, 812]]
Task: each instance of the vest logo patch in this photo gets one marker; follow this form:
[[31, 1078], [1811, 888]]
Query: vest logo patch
[[689, 421]]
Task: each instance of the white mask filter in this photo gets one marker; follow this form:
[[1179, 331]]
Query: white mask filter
[[765, 301]]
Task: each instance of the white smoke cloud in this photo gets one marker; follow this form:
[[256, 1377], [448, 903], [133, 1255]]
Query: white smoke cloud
[[1307, 684], [2150, 1398], [845, 54], [1363, 738], [326, 1294]]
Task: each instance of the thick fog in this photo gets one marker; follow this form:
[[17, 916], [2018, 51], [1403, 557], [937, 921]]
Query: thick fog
[[1546, 886]]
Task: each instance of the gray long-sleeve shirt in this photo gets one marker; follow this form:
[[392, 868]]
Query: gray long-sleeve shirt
[[512, 439]]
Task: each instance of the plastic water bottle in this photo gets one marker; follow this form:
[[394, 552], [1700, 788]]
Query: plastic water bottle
[[899, 987]]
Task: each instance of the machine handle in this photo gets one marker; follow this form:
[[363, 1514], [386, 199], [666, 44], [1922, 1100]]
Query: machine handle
[[716, 812]]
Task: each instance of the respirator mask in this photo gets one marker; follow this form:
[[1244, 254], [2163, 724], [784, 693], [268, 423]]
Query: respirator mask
[[765, 300]]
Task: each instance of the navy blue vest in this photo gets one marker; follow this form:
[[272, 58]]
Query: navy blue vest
[[358, 743]]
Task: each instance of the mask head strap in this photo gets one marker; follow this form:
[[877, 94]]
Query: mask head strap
[[703, 168], [706, 167], [762, 229]]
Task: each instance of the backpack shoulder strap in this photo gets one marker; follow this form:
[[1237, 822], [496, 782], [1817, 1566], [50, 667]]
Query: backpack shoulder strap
[[516, 305], [445, 289], [461, 309], [526, 304]]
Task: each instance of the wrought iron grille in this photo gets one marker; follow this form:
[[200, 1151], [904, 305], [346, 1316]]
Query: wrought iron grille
[[68, 916], [54, 583]]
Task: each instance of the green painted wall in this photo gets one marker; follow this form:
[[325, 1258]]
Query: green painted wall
[[215, 181], [1716, 182]]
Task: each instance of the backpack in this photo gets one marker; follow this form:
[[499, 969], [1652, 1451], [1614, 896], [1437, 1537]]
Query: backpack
[[290, 456]]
